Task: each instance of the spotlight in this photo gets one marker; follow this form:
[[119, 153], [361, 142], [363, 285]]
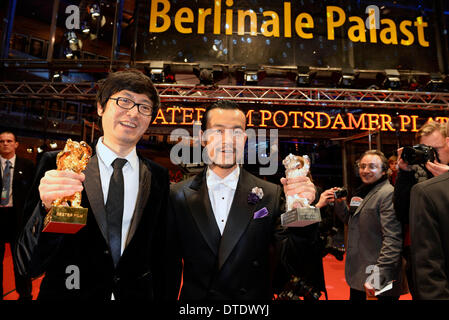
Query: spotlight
[[437, 83], [30, 149], [303, 77], [85, 27], [347, 79], [41, 149], [157, 75], [68, 53], [392, 80], [251, 78], [71, 37], [53, 145], [156, 71], [94, 10]]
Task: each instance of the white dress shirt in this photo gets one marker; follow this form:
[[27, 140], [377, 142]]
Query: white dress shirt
[[221, 194], [13, 163], [130, 178]]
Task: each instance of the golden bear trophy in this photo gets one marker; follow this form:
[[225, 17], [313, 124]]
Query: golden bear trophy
[[299, 213], [66, 214]]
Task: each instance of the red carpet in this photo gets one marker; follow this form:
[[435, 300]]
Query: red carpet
[[334, 272]]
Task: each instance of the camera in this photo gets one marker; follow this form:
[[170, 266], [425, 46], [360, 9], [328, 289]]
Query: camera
[[419, 154], [297, 287], [340, 193]]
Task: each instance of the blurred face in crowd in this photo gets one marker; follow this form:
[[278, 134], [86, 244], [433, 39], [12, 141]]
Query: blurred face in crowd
[[393, 165], [225, 137], [8, 145], [441, 144], [123, 128], [370, 168]]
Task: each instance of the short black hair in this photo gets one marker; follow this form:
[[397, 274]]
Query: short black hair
[[222, 104], [132, 80]]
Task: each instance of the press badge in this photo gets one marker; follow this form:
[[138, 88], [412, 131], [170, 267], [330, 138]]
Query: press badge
[[4, 194], [355, 201]]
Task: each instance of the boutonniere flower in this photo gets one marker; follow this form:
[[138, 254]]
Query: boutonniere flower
[[255, 195]]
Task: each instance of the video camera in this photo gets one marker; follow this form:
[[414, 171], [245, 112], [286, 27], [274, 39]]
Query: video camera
[[419, 154]]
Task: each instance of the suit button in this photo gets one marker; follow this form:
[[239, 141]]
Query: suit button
[[212, 292], [256, 264], [106, 252], [116, 279], [243, 291]]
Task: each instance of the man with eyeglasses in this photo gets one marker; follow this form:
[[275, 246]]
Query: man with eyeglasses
[[373, 253], [224, 225], [432, 134], [118, 254]]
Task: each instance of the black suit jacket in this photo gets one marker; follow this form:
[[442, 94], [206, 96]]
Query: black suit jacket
[[24, 171], [429, 233], [238, 264], [138, 274]]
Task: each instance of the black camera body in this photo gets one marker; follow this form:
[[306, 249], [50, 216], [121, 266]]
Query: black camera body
[[419, 154], [340, 193], [297, 287]]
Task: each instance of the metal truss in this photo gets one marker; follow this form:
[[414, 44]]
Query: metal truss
[[320, 97]]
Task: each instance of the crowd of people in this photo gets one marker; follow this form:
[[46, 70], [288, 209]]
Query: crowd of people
[[217, 235]]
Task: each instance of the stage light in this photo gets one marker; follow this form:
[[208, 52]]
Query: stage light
[[157, 75], [68, 53], [303, 77], [437, 83], [347, 79], [30, 149], [53, 145], [392, 80], [251, 78], [156, 71], [85, 27], [94, 10], [71, 37]]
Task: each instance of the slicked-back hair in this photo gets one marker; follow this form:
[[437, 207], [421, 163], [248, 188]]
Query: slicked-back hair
[[131, 80], [222, 104]]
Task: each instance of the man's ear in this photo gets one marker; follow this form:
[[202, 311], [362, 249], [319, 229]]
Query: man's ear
[[100, 109]]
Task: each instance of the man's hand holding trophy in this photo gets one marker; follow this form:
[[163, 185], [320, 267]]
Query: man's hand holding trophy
[[66, 214], [300, 192]]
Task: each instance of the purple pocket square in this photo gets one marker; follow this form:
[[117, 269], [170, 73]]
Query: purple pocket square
[[260, 213]]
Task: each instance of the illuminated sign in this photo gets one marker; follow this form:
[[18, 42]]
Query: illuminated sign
[[309, 120], [221, 18]]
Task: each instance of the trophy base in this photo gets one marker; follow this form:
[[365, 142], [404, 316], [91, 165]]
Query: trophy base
[[301, 217], [62, 219]]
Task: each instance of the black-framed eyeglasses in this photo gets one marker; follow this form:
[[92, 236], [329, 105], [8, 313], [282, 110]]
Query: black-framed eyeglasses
[[128, 104]]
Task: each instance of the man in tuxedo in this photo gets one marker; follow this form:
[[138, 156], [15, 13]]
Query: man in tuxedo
[[224, 225], [16, 177], [118, 253]]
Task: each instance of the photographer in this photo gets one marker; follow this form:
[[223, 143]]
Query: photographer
[[431, 134]]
